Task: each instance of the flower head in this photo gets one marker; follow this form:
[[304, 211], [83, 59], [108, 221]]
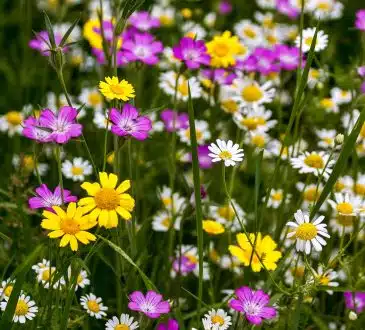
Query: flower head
[[12, 122], [42, 43], [143, 21], [107, 200], [227, 152], [93, 305], [360, 20], [115, 89], [355, 301], [174, 121], [124, 322], [76, 169], [171, 324], [213, 227], [150, 304], [192, 52], [25, 309], [307, 39], [216, 320]]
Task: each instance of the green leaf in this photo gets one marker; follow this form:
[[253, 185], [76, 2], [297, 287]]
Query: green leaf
[[5, 237], [146, 280], [49, 30], [68, 32], [149, 111]]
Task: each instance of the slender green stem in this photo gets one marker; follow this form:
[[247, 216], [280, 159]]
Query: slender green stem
[[59, 167]]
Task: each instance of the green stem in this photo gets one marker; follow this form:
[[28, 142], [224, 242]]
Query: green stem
[[59, 167]]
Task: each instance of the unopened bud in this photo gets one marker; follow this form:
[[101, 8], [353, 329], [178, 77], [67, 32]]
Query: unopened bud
[[352, 316], [339, 138]]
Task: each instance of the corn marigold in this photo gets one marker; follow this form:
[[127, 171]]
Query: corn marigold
[[115, 89]]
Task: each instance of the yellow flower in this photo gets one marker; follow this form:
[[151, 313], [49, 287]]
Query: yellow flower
[[115, 89], [223, 50], [107, 201], [213, 227], [264, 248], [71, 225]]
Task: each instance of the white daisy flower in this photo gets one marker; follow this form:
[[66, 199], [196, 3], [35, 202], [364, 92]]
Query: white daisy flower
[[40, 266], [76, 169], [254, 119], [308, 233], [225, 215], [25, 309], [316, 77], [316, 162], [165, 14], [201, 130], [225, 151], [6, 289], [257, 139], [26, 163], [61, 29], [346, 204], [210, 19], [295, 272], [327, 138], [349, 120], [308, 35], [168, 60], [266, 4], [11, 123], [193, 30], [251, 34], [358, 187], [267, 19], [162, 221], [216, 320], [171, 201], [46, 276], [125, 322], [82, 279], [92, 98], [342, 224], [250, 93], [325, 9], [341, 96], [346, 184], [93, 305], [94, 9], [329, 105], [101, 119], [276, 198], [326, 277]]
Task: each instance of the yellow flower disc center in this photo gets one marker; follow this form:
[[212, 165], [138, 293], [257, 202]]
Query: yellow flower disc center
[[8, 290], [121, 327], [94, 98], [166, 222], [339, 186], [314, 160], [298, 272], [21, 308], [79, 279], [308, 41], [93, 306], [183, 88], [107, 199], [278, 196], [249, 32], [258, 140], [226, 212], [344, 208], [70, 226], [77, 170], [46, 274], [314, 73], [14, 118], [117, 89], [324, 280], [362, 131], [221, 49], [359, 188], [216, 319], [165, 20], [192, 259], [311, 194], [230, 106], [225, 155], [345, 220], [327, 103], [325, 6], [251, 93], [306, 231]]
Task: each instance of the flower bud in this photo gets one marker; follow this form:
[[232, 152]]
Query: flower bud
[[339, 138], [352, 316]]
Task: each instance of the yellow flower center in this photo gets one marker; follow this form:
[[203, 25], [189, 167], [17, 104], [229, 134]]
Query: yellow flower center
[[311, 194], [229, 106], [328, 140], [225, 155], [251, 93], [186, 12], [362, 131], [226, 212], [199, 134], [278, 196], [344, 208], [46, 274], [272, 40], [117, 89], [298, 272], [166, 222], [8, 290], [93, 306], [306, 231], [221, 49], [249, 32], [252, 122], [77, 170], [345, 220], [107, 199], [359, 188], [326, 103], [191, 35], [314, 73], [314, 160], [121, 327], [76, 59], [339, 186], [193, 259], [166, 20], [14, 118], [324, 280], [325, 6], [258, 140], [183, 88], [216, 319], [79, 279], [69, 226], [167, 201], [28, 163], [308, 41], [21, 308], [95, 98]]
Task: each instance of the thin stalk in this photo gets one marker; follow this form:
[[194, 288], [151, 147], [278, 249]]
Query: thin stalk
[[59, 168]]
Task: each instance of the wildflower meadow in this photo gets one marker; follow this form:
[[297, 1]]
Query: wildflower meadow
[[182, 165]]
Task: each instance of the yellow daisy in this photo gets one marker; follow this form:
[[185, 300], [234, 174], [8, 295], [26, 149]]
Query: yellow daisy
[[71, 225], [115, 89], [223, 50], [107, 201]]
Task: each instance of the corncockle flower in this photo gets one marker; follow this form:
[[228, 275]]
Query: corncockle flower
[[286, 8], [32, 130], [192, 52], [46, 199], [174, 121], [225, 7], [150, 304], [62, 125], [262, 60], [183, 265], [129, 122], [355, 301], [227, 152], [142, 47], [143, 21], [219, 76], [288, 57], [205, 161], [361, 71], [360, 20], [362, 88], [171, 324], [253, 305], [42, 44]]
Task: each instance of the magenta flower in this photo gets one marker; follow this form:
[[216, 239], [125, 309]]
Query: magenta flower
[[142, 47], [225, 7], [174, 121], [171, 324], [362, 88], [355, 301], [32, 130], [62, 125], [252, 304], [361, 71], [288, 57], [219, 76], [192, 52], [262, 60], [42, 44], [205, 161], [129, 122], [143, 21], [183, 265], [151, 305], [360, 20], [285, 7], [46, 198]]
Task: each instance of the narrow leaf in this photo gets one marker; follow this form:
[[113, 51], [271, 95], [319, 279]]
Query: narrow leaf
[[68, 32], [49, 30]]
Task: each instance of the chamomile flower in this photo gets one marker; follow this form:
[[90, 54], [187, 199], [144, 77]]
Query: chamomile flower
[[193, 30], [115, 89], [329, 105], [255, 119], [250, 33], [173, 202], [101, 120], [310, 193], [308, 233], [326, 137], [266, 4], [225, 215], [216, 320], [82, 280], [76, 169], [202, 133], [325, 9], [227, 152], [341, 96], [165, 14], [92, 98], [162, 221], [27, 164], [346, 204], [46, 276], [11, 122], [276, 198], [25, 309], [316, 162], [308, 35], [326, 277], [257, 139], [93, 305], [316, 77], [295, 272], [6, 289], [40, 266], [124, 322], [358, 187]]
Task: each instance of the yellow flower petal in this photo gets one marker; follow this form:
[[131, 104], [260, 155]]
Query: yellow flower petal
[[51, 224], [56, 233], [65, 240], [113, 180], [73, 243], [103, 218], [238, 253], [71, 210], [82, 237], [61, 213], [91, 188], [94, 214], [104, 180], [50, 215], [123, 213], [113, 219], [126, 202], [124, 186]]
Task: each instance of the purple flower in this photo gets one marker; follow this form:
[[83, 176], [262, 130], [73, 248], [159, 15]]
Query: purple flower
[[288, 57], [46, 198], [203, 195], [362, 88], [205, 161], [355, 301], [192, 52], [151, 305], [62, 125], [284, 7], [143, 21], [174, 121], [171, 324], [219, 76], [360, 20], [225, 7], [129, 122], [100, 57], [183, 265], [42, 44], [361, 71], [142, 47], [253, 305], [32, 130], [262, 60]]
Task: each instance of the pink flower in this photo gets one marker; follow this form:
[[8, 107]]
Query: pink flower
[[46, 198], [129, 122], [360, 20], [171, 324], [143, 21], [219, 76], [42, 44], [151, 305], [225, 7], [287, 56], [32, 130], [252, 304], [174, 121], [355, 301], [192, 52]]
